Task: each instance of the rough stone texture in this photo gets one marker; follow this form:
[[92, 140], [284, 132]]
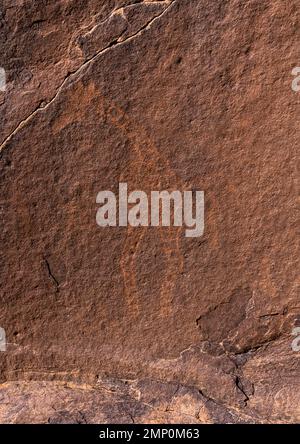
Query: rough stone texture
[[144, 324]]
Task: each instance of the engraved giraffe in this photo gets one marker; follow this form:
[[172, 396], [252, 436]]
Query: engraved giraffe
[[152, 172]]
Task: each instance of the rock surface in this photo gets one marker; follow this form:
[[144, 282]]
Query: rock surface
[[144, 324]]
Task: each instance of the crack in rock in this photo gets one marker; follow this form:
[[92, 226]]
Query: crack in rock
[[112, 44], [51, 275]]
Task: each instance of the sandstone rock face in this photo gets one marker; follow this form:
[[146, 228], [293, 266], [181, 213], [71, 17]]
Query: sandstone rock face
[[144, 324]]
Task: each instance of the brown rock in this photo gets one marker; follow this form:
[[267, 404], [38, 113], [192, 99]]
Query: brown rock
[[176, 95]]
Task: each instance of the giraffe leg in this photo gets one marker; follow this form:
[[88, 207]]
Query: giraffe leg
[[128, 268]]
